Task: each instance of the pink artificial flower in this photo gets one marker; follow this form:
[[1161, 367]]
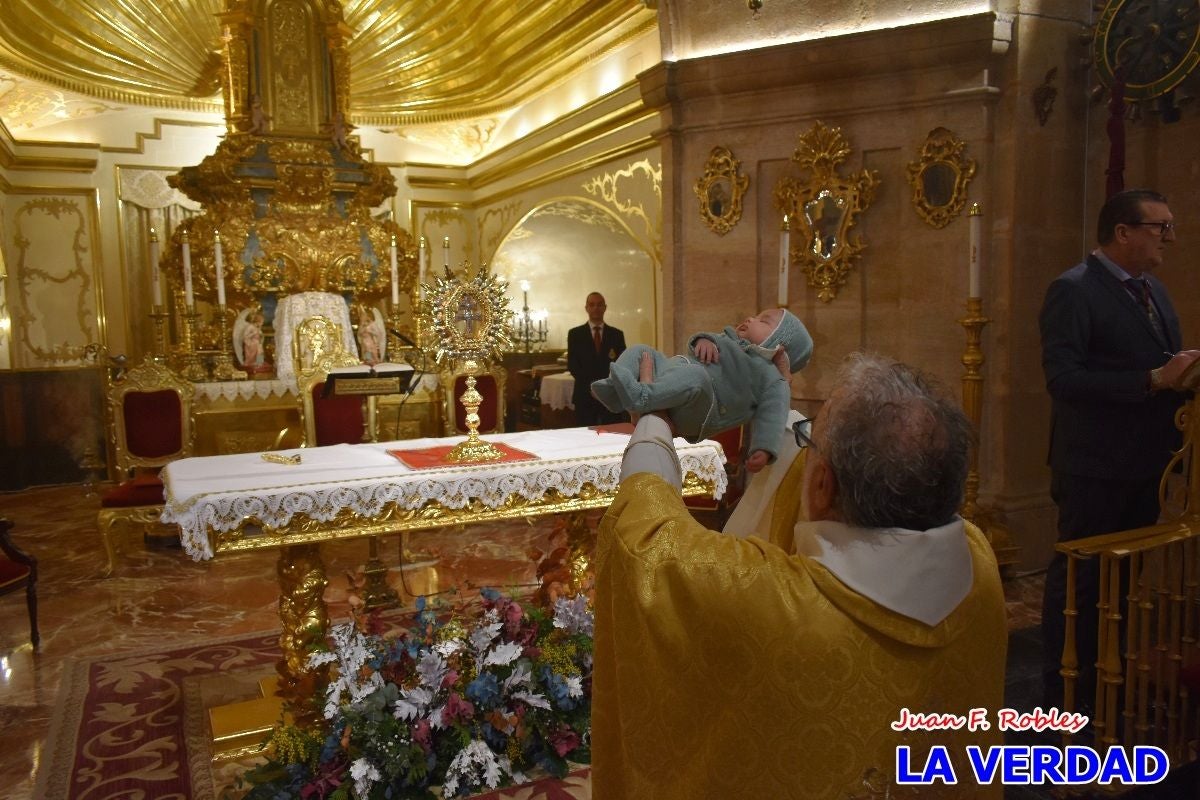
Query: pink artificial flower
[[458, 708], [564, 740]]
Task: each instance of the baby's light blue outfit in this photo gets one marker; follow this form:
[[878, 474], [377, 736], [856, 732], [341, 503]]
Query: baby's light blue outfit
[[704, 399]]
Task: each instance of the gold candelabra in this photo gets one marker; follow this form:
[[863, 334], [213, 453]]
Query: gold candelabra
[[193, 369], [159, 317], [972, 400], [473, 450], [223, 363]]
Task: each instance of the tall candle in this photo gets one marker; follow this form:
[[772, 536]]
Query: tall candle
[[975, 223], [421, 262], [188, 299], [155, 286], [219, 260], [785, 239], [395, 275]]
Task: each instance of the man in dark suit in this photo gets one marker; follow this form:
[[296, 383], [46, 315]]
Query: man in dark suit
[[590, 349], [1110, 352]]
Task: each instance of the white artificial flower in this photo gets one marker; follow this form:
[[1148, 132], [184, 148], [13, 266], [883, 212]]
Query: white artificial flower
[[530, 699], [521, 675], [473, 766], [573, 616], [484, 635], [504, 654], [574, 686], [364, 774]]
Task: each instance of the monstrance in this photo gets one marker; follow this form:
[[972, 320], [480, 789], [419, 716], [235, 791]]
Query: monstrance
[[468, 320]]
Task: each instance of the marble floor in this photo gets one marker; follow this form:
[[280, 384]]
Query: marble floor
[[158, 597]]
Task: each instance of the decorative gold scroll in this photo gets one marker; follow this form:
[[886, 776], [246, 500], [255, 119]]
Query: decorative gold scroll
[[822, 208], [939, 178], [720, 191]]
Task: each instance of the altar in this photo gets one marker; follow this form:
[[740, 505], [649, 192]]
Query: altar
[[294, 500]]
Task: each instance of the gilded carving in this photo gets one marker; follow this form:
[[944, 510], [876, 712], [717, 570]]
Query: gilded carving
[[939, 178], [649, 177], [466, 318], [822, 207], [302, 612], [720, 191]]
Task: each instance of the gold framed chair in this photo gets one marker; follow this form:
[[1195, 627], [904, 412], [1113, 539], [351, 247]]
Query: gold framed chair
[[489, 383], [18, 570], [150, 425], [316, 349]]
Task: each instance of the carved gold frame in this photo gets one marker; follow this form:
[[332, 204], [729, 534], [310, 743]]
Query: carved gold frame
[[939, 178], [480, 303], [720, 191], [822, 245]]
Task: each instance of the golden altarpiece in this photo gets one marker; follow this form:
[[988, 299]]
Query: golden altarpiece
[[288, 203]]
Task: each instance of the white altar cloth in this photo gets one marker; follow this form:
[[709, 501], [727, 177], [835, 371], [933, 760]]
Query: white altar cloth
[[217, 493], [557, 389]]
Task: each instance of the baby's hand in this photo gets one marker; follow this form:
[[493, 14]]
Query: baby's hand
[[706, 351], [757, 460]]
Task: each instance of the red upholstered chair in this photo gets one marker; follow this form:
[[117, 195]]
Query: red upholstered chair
[[19, 571], [733, 442], [337, 419], [490, 384], [150, 425]]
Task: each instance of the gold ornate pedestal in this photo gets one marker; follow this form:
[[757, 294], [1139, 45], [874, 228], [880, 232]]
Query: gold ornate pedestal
[[474, 450]]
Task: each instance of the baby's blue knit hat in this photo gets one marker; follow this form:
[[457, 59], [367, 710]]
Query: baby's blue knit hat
[[791, 333]]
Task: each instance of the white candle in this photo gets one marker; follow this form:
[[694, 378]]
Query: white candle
[[395, 275], [219, 260], [155, 286], [188, 299], [446, 253], [975, 223], [785, 238], [421, 262]]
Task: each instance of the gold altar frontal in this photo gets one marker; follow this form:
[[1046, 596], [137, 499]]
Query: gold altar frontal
[[241, 502]]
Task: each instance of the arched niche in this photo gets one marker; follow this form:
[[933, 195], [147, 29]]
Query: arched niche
[[568, 247]]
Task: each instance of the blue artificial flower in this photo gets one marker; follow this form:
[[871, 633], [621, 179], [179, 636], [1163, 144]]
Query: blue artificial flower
[[556, 687], [484, 690], [490, 594]]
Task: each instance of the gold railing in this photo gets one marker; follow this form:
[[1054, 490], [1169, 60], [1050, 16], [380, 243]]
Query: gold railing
[[1148, 616]]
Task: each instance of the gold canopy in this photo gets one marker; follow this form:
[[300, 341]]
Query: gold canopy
[[411, 61]]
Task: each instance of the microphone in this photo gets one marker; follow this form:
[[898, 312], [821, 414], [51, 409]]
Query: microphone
[[403, 338]]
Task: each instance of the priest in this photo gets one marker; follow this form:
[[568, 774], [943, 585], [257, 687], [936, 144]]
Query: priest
[[730, 667]]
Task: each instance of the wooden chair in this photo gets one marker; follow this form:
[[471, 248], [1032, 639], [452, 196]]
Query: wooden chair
[[490, 384], [19, 571], [733, 442], [150, 425]]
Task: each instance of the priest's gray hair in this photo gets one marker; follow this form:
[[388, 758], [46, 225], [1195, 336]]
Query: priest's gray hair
[[897, 445]]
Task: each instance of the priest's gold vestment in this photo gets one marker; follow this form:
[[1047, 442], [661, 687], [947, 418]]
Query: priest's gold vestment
[[731, 668]]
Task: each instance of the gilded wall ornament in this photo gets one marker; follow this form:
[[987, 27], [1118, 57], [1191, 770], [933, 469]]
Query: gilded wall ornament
[[822, 208], [939, 177], [720, 191]]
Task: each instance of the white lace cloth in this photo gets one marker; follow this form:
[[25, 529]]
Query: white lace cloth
[[216, 493], [557, 389], [294, 309], [244, 390]]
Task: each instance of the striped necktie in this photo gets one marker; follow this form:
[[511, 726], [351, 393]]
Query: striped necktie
[[1140, 290]]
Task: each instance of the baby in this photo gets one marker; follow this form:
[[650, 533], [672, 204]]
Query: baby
[[737, 376]]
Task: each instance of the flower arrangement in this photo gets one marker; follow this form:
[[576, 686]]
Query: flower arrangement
[[446, 708]]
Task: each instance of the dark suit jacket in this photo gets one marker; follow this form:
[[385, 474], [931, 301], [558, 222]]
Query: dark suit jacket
[[585, 364], [1097, 348]]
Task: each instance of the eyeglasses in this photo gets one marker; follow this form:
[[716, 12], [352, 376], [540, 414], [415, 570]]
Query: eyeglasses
[[1163, 227], [802, 430]]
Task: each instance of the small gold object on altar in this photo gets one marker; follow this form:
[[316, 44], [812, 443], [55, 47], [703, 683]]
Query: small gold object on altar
[[276, 458], [474, 449]]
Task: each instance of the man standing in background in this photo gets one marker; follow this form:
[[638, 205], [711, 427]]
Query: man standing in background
[[1111, 352], [590, 349]]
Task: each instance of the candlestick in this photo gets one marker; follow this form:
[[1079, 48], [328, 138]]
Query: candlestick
[[395, 274], [188, 299], [975, 224], [421, 264], [155, 286], [219, 261], [785, 237]]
